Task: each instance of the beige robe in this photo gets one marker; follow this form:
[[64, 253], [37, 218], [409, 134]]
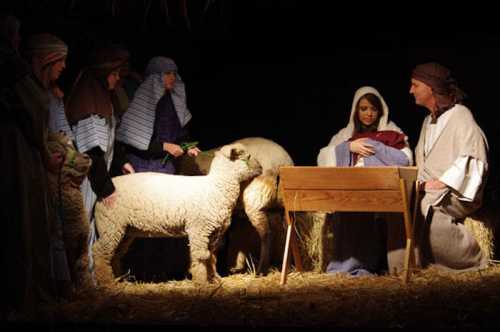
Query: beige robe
[[442, 237]]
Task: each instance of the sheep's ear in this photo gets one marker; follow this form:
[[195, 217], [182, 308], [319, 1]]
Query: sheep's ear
[[236, 153], [233, 152]]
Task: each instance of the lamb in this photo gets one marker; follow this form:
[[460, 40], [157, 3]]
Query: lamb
[[258, 196], [65, 190], [154, 204]]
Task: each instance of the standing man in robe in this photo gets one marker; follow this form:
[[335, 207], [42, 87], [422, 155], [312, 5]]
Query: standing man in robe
[[451, 156]]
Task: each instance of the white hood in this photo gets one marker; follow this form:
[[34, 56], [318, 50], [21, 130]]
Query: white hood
[[382, 125], [326, 154]]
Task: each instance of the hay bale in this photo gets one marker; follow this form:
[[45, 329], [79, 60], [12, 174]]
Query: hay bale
[[315, 239], [483, 230]]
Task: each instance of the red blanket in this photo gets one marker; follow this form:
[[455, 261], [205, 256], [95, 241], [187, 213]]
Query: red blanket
[[388, 137]]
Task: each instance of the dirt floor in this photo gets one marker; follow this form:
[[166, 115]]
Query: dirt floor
[[432, 299]]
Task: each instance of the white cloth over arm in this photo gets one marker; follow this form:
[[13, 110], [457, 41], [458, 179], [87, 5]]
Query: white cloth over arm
[[93, 131], [466, 174]]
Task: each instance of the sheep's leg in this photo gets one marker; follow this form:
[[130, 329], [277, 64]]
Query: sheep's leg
[[80, 262], [256, 197], [260, 221], [104, 250], [120, 252], [76, 234], [212, 269], [240, 262], [200, 257], [83, 278]]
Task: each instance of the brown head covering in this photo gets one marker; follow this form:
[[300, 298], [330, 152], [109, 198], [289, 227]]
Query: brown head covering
[[42, 50], [47, 47], [444, 86], [90, 94]]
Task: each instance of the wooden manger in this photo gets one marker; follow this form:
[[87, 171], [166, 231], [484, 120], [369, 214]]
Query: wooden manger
[[347, 189]]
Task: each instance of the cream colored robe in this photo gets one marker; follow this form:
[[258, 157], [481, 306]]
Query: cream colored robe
[[443, 239]]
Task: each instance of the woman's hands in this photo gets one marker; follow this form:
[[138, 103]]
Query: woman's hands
[[174, 149], [110, 200], [193, 152], [362, 147], [177, 151], [127, 168]]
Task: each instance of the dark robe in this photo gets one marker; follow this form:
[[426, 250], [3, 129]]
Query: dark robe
[[167, 128], [25, 211]]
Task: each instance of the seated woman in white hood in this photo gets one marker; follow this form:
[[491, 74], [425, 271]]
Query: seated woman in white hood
[[369, 139]]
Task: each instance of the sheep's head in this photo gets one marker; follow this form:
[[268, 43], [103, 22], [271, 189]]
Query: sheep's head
[[241, 161], [76, 164]]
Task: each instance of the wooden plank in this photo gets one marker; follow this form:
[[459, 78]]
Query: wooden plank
[[345, 200], [352, 178]]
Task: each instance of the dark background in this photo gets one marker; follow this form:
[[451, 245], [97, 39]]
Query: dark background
[[287, 70]]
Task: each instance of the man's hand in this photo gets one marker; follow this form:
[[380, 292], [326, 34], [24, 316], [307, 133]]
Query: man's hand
[[434, 185], [361, 147]]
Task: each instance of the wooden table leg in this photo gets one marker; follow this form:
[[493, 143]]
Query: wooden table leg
[[408, 233], [286, 255]]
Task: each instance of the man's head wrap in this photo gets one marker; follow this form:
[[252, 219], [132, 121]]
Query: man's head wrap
[[442, 83]]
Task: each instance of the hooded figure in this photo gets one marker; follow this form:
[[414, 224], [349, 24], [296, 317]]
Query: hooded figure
[[91, 113], [47, 54], [338, 146], [452, 160], [154, 124], [369, 139]]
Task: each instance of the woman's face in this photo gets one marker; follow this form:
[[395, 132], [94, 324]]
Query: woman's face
[[113, 78], [169, 80], [367, 113], [56, 69]]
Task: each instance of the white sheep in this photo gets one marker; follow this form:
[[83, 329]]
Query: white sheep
[[154, 204], [258, 195]]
